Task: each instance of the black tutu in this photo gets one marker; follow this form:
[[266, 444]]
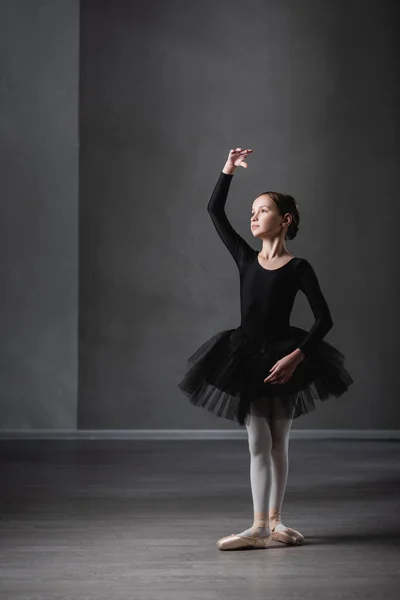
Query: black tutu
[[226, 376]]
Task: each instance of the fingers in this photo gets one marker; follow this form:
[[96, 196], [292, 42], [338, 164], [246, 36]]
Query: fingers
[[276, 377], [277, 381], [241, 151], [239, 155], [271, 376]]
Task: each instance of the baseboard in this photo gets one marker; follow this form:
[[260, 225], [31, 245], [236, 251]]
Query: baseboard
[[191, 434]]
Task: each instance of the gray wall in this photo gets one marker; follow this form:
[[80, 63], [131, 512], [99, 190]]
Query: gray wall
[[39, 216], [167, 88]]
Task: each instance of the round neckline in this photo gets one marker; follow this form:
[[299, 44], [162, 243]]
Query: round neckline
[[271, 270]]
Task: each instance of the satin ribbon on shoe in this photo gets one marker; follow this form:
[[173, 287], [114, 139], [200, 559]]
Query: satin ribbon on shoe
[[234, 542]]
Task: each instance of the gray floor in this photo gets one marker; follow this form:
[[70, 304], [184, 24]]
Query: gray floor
[[139, 520]]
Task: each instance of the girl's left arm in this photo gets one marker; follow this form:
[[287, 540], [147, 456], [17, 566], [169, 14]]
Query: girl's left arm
[[309, 285]]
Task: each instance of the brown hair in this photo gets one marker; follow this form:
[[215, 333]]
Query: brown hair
[[287, 204]]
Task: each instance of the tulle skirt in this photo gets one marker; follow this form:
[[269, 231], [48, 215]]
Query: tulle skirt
[[226, 376]]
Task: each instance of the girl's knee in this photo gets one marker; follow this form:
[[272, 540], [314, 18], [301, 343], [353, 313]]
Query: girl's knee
[[280, 432], [280, 446], [258, 447], [259, 437]]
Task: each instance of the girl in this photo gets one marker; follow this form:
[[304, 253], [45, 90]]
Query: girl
[[266, 372]]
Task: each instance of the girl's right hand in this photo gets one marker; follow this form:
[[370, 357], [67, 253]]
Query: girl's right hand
[[237, 158]]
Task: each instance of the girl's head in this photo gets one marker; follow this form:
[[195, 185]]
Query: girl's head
[[273, 213]]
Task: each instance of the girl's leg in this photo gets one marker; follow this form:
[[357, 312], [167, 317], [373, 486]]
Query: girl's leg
[[260, 444], [280, 432]]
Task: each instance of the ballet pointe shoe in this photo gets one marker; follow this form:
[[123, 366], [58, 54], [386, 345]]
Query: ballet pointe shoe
[[288, 535], [236, 542]]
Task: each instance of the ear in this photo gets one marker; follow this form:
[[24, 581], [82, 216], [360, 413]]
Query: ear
[[288, 219]]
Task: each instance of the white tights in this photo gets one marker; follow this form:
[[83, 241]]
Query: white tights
[[269, 465]]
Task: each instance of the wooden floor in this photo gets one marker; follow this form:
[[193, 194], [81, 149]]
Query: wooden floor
[[139, 520]]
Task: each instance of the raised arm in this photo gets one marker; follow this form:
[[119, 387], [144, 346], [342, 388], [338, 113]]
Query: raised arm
[[309, 284], [237, 246]]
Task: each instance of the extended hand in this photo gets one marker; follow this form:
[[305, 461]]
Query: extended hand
[[282, 370], [238, 157]]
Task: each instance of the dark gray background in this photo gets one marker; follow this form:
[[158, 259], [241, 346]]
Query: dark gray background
[[39, 61], [166, 89]]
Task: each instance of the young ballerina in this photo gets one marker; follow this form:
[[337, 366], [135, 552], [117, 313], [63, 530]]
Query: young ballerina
[[266, 372]]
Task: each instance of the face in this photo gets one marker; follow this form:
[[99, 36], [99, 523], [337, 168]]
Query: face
[[266, 219]]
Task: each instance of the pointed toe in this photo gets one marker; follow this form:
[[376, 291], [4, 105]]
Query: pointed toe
[[288, 536], [235, 542]]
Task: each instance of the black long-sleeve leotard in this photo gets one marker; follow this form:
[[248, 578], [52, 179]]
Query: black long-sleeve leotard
[[267, 296]]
